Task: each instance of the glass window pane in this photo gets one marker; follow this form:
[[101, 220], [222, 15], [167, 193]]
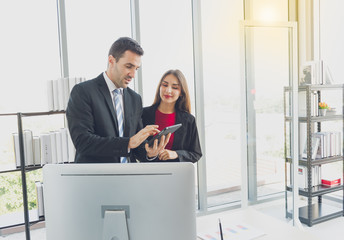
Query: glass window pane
[[29, 54], [29, 57], [221, 63], [92, 27], [268, 72], [166, 38]]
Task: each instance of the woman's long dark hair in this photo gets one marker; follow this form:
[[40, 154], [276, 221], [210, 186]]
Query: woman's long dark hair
[[183, 102]]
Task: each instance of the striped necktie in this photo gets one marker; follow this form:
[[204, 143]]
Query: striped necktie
[[119, 113]]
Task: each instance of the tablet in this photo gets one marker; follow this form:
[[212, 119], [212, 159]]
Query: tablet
[[165, 131]]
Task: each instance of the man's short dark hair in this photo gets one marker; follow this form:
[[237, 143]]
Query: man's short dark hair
[[123, 44]]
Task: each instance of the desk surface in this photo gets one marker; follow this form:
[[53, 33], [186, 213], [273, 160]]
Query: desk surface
[[271, 227]]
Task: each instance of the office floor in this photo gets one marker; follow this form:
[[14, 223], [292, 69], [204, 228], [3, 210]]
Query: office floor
[[333, 228]]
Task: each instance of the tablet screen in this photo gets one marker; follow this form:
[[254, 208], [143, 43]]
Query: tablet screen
[[165, 131]]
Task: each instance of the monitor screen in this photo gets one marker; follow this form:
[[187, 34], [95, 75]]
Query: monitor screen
[[141, 201]]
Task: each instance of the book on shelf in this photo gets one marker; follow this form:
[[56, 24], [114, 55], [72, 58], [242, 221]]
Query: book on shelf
[[330, 182], [64, 144], [329, 144], [303, 176], [16, 148], [314, 148], [40, 200], [45, 148], [36, 151], [50, 95], [58, 142], [53, 147], [327, 75], [324, 73], [28, 147]]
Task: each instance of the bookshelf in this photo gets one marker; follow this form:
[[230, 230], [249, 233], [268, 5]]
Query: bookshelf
[[316, 156], [23, 168]]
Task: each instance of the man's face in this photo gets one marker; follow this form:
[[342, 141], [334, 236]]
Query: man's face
[[122, 72]]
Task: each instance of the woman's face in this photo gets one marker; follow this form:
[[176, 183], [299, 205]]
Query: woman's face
[[170, 89]]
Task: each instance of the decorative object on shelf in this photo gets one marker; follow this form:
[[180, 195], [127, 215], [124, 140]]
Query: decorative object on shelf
[[323, 108], [330, 183], [308, 75], [331, 111], [322, 112]]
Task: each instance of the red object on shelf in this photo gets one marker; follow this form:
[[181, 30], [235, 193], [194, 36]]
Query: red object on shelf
[[330, 182]]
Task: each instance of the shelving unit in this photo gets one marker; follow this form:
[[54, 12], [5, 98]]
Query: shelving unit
[[23, 169], [313, 212]]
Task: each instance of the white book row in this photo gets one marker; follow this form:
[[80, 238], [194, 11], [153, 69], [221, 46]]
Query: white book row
[[330, 144], [59, 90], [303, 176], [325, 144], [52, 147]]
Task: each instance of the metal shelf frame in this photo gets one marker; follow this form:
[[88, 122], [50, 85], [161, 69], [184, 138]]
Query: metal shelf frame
[[313, 213], [23, 169]]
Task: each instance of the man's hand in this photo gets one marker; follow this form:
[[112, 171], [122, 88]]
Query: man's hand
[[142, 135], [166, 154], [157, 148]]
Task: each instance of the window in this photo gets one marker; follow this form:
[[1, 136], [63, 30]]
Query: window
[[29, 54], [166, 37], [221, 64], [92, 27], [29, 57]]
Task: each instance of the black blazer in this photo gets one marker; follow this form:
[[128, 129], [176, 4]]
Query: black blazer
[[186, 142], [92, 123]]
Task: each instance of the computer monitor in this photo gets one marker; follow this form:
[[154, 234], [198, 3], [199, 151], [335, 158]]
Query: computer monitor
[[139, 201]]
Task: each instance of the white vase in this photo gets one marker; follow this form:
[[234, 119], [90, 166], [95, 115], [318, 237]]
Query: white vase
[[322, 112]]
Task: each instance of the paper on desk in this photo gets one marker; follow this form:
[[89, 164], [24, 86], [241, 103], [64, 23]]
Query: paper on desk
[[232, 231]]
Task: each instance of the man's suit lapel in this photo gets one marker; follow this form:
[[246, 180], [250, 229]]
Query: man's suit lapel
[[108, 100]]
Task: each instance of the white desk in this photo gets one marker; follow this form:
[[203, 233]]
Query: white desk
[[273, 228]]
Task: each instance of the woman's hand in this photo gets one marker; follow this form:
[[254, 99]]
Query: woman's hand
[[157, 148], [166, 154]]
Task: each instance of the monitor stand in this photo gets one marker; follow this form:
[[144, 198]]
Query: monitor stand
[[115, 225]]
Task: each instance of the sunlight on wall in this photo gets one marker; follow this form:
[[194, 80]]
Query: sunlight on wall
[[269, 10], [268, 14]]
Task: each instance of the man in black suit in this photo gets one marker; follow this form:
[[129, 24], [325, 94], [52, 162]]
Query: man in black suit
[[92, 118]]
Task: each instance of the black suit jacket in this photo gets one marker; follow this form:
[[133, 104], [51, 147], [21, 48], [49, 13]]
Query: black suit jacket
[[186, 142], [93, 127]]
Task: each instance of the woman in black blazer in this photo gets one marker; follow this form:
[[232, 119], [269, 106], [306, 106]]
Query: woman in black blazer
[[172, 106]]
